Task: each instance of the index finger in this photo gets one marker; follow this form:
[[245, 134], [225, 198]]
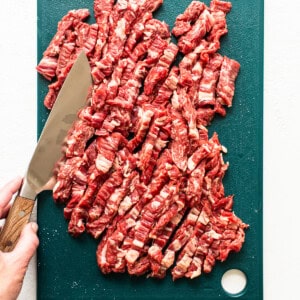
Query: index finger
[[7, 191]]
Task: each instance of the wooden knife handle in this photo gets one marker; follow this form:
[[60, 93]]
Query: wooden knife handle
[[17, 218]]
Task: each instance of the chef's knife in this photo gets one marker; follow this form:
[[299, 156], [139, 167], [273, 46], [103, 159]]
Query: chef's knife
[[39, 175]]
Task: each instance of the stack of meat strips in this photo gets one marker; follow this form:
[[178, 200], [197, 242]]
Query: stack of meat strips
[[140, 171]]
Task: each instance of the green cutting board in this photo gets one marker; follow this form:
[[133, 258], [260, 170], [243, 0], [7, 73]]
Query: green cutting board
[[67, 266]]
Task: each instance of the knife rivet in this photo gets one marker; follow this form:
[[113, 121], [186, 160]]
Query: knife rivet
[[8, 244], [22, 213]]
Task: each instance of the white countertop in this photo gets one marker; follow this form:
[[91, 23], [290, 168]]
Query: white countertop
[[281, 129]]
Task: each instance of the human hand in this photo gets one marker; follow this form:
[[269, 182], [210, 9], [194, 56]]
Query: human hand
[[13, 265]]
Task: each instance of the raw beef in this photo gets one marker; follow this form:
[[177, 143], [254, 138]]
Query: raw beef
[[139, 171]]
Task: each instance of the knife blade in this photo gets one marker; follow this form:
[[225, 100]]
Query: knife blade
[[39, 175]]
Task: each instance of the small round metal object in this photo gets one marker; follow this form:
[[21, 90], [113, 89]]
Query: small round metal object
[[8, 244], [22, 213]]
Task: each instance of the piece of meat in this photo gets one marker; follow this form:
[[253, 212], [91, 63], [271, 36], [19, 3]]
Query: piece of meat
[[156, 249], [166, 90], [160, 72], [200, 153], [137, 33], [82, 31], [156, 50], [160, 119], [77, 138], [219, 28], [110, 208], [217, 5], [114, 83], [207, 86], [204, 116], [128, 93], [103, 194], [91, 39], [48, 64], [183, 21], [68, 21], [201, 253], [102, 11], [160, 143], [107, 147], [183, 103], [154, 27], [185, 68], [176, 206], [194, 184], [136, 190], [152, 45], [149, 215], [144, 120], [186, 255], [180, 142], [190, 40], [47, 67], [102, 7], [117, 40], [196, 74], [64, 178], [80, 211], [51, 95], [65, 55], [151, 6], [77, 193], [91, 117], [228, 234], [225, 88], [180, 238], [80, 178]]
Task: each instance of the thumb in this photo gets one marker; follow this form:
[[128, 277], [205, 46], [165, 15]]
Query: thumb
[[28, 243]]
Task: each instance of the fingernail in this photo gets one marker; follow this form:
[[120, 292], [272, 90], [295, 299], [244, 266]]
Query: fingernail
[[34, 227]]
